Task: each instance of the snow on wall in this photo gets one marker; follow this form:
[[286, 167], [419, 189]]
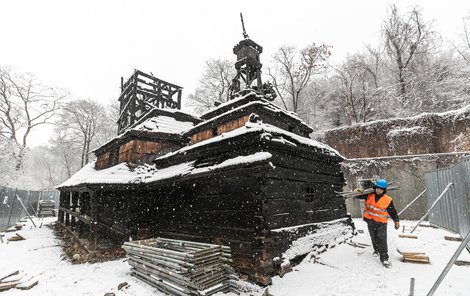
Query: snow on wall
[[327, 235], [423, 134]]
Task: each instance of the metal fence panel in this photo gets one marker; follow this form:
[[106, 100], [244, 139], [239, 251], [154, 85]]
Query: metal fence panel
[[453, 211], [11, 210]]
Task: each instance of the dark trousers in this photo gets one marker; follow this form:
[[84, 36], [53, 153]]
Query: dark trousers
[[378, 235]]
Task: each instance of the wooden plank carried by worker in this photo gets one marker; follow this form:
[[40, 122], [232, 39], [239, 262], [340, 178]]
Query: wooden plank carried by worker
[[408, 236]]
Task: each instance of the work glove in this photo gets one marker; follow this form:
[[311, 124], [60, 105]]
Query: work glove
[[397, 224], [359, 190]]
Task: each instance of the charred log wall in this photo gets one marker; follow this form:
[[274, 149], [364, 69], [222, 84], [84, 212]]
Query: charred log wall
[[222, 209], [135, 151]]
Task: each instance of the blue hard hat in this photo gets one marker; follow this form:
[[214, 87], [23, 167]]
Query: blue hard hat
[[382, 183]]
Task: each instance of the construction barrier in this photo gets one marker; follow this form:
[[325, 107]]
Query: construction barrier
[[452, 212], [11, 210]]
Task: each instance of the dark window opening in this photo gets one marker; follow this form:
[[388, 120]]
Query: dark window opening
[[309, 193], [113, 157]]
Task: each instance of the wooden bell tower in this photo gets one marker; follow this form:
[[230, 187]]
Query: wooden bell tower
[[248, 67]]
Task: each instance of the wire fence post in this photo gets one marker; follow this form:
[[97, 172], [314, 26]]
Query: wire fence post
[[25, 210], [30, 205], [412, 287], [411, 202], [432, 206], [11, 209], [449, 265]]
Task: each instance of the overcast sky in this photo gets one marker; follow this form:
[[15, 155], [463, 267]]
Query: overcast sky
[[86, 46]]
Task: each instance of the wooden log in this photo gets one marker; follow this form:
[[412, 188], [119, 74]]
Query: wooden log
[[7, 274], [355, 245], [408, 236], [415, 259], [27, 285], [462, 263], [16, 237], [7, 286], [453, 238]]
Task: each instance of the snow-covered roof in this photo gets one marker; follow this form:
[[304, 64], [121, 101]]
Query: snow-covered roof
[[239, 103], [123, 174], [164, 124], [157, 124], [268, 131]]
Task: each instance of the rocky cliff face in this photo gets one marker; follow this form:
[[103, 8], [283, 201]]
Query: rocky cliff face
[[423, 134]]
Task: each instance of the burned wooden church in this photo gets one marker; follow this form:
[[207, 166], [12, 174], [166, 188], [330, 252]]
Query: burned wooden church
[[245, 174]]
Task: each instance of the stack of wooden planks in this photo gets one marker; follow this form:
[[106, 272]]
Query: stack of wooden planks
[[46, 208], [16, 279], [16, 237], [414, 257], [180, 267]]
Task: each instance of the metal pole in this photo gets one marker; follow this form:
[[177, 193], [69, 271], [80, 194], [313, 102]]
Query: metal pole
[[31, 206], [435, 202], [412, 287], [25, 210], [411, 202], [11, 209], [39, 199], [449, 265]]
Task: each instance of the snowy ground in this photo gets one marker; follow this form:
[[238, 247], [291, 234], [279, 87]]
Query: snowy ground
[[346, 270]]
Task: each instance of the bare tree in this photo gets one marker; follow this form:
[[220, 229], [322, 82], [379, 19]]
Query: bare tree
[[213, 85], [464, 47], [81, 120], [406, 37], [24, 105], [292, 70]]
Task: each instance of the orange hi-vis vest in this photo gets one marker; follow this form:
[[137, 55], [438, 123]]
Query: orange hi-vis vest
[[377, 211]]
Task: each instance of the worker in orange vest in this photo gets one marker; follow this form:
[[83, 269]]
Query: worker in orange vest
[[378, 208]]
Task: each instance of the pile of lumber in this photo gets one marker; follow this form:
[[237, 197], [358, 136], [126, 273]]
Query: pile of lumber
[[16, 279], [16, 237], [46, 208], [180, 267], [414, 257]]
